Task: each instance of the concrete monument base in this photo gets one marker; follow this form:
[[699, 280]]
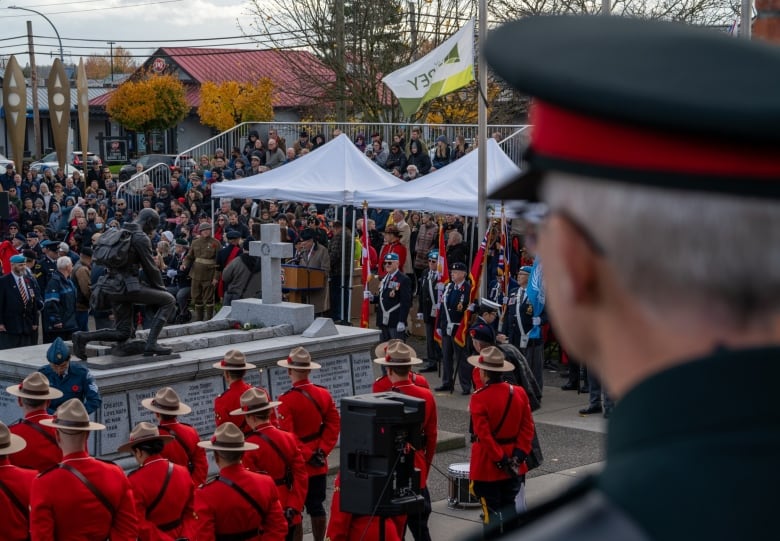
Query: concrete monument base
[[253, 311]]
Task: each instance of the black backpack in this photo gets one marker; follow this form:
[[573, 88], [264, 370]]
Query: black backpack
[[112, 248]]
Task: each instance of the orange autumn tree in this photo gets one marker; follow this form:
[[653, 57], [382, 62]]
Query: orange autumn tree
[[223, 105], [153, 102], [458, 107]]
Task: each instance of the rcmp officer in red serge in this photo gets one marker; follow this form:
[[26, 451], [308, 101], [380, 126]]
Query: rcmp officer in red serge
[[234, 367], [384, 383], [163, 491], [454, 301], [394, 300], [238, 504], [398, 360], [33, 396], [278, 455], [82, 498], [656, 170], [15, 483], [503, 430], [317, 423], [184, 450]]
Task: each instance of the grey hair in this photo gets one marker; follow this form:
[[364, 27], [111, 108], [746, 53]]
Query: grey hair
[[64, 262], [712, 253]]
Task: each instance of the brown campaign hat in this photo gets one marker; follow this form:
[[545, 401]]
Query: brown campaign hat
[[72, 415], [36, 387], [299, 359], [234, 360], [143, 432], [10, 443], [166, 402], [254, 400], [492, 359], [396, 353], [228, 437]]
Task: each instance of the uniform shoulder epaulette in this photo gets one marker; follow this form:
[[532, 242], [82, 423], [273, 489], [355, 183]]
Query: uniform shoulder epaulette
[[207, 483], [320, 386], [17, 422], [480, 389], [288, 391], [47, 470], [380, 378], [185, 424], [111, 462]]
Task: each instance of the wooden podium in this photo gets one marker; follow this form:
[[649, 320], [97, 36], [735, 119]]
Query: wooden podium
[[299, 281]]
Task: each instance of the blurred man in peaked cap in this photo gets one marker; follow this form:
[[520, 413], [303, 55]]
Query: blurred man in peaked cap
[[654, 149]]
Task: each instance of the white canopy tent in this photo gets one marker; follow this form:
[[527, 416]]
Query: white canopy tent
[[451, 189], [336, 173]]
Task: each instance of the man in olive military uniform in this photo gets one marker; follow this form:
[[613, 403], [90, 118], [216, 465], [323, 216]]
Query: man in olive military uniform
[[662, 185], [201, 261]]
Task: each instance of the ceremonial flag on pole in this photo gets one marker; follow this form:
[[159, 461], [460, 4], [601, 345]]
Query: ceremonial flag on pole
[[366, 275], [447, 68], [443, 272], [475, 276]]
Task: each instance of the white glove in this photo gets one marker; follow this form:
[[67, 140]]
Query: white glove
[[419, 315], [401, 327], [537, 321], [471, 307], [171, 273], [368, 295]]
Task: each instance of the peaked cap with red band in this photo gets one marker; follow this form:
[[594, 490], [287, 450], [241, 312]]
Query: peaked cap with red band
[[646, 102]]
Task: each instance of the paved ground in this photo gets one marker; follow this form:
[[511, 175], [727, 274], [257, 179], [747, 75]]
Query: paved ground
[[572, 445]]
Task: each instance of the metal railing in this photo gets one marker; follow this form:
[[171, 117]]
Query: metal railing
[[509, 135], [132, 190]]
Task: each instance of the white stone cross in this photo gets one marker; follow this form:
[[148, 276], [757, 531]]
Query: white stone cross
[[271, 251]]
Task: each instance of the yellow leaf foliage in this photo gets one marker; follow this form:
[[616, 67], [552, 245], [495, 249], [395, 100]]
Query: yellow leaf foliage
[[460, 107], [223, 105], [154, 103]]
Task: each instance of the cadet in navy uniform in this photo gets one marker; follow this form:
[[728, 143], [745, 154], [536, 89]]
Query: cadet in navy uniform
[[454, 301], [660, 258], [72, 378], [428, 308], [519, 313], [393, 301], [20, 305]]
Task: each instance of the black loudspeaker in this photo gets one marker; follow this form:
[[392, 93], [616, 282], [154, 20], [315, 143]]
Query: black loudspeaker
[[378, 432], [4, 210]]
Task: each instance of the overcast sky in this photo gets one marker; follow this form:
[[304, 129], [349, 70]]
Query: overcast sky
[[121, 21]]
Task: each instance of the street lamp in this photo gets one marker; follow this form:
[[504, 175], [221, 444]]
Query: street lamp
[[62, 56]]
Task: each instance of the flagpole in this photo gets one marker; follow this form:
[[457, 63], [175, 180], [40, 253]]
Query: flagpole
[[482, 129]]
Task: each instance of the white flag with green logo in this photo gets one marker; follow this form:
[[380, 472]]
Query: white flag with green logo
[[448, 67]]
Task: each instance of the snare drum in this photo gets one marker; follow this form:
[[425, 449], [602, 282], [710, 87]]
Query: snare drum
[[459, 496]]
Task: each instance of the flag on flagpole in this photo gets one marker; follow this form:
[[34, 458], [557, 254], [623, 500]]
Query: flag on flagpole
[[475, 276], [365, 261], [443, 272], [447, 68]]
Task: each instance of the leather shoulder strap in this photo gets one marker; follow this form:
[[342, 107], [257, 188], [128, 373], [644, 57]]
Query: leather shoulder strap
[[275, 447], [242, 493], [160, 494], [38, 428], [506, 412], [80, 476], [14, 500]]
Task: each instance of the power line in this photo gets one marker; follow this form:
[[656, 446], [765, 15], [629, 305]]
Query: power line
[[72, 12]]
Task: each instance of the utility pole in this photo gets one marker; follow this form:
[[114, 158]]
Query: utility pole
[[341, 110], [413, 27], [111, 44], [34, 81]]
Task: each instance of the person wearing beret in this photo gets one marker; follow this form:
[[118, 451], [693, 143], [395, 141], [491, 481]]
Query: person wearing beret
[[278, 455], [34, 395], [317, 423], [163, 491], [503, 429], [82, 498], [238, 503], [633, 158], [73, 379], [20, 306], [201, 263], [183, 450], [15, 485]]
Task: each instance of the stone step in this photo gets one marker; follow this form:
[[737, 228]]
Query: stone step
[[187, 338]]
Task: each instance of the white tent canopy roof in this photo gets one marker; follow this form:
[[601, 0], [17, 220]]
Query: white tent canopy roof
[[451, 189], [336, 173]]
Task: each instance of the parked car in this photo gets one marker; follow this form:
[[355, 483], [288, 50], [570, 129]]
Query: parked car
[[74, 161], [186, 164], [3, 162]]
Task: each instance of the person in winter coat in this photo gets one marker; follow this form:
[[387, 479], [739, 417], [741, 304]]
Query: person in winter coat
[[242, 277], [418, 157]]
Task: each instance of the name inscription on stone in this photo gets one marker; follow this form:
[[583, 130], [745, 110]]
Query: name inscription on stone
[[114, 413], [362, 372]]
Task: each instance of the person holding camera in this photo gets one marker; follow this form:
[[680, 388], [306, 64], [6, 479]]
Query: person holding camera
[[316, 422]]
